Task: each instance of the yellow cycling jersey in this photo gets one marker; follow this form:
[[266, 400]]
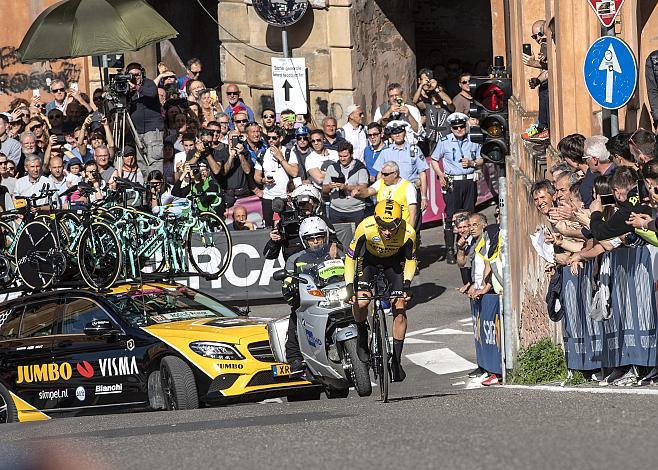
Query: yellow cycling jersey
[[368, 240]]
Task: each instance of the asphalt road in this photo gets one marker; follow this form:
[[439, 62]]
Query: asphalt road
[[435, 420]]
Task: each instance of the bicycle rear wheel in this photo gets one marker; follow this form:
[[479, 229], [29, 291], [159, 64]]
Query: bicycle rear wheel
[[99, 256], [209, 245], [35, 255], [383, 353]]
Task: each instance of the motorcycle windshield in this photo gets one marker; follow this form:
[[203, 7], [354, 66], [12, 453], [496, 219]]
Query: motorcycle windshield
[[329, 271]]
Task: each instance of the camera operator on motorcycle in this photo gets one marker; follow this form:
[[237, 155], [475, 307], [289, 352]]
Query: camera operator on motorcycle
[[382, 242], [314, 237], [304, 201]]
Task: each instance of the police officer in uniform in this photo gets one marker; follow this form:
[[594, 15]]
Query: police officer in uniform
[[461, 158]]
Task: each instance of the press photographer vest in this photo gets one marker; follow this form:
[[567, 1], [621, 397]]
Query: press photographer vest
[[399, 195]]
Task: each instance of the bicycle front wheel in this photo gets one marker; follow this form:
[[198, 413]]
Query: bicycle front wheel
[[209, 245], [383, 354], [99, 256], [35, 254]]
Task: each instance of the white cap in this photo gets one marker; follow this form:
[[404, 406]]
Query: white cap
[[351, 108], [457, 118]]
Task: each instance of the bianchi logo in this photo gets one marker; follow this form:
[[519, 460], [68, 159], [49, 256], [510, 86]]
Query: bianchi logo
[[53, 394], [109, 389]]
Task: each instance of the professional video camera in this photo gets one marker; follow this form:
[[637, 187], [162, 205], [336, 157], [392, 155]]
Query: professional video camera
[[290, 217]]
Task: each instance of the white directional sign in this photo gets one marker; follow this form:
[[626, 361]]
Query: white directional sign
[[289, 84]]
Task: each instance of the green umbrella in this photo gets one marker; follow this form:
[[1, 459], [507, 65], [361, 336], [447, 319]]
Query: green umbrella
[[77, 28]]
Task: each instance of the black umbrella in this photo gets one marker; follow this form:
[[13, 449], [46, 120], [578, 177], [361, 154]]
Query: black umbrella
[[77, 28]]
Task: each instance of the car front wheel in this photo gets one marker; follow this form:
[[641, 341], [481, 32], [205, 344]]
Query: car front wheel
[[178, 384], [8, 411]]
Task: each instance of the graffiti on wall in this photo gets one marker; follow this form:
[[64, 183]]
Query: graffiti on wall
[[13, 81]]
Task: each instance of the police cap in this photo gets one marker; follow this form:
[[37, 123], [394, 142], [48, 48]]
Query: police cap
[[457, 118]]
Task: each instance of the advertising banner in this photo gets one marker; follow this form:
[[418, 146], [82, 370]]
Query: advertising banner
[[487, 331]]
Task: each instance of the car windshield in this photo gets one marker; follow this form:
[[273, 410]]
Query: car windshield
[[157, 305]]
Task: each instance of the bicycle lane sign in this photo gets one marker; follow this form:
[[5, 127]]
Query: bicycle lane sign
[[610, 72]]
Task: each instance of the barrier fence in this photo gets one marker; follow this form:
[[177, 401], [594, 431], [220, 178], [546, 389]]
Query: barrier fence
[[628, 336], [487, 332]]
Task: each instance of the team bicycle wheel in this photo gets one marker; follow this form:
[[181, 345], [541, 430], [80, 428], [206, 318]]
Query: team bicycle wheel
[[37, 256], [383, 355], [209, 245], [100, 258]]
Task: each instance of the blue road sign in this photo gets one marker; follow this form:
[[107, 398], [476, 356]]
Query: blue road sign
[[610, 71]]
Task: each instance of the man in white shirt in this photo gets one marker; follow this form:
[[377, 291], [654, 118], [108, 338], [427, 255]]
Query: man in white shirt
[[274, 172], [397, 110], [56, 177], [33, 182], [319, 159], [354, 131], [180, 158]]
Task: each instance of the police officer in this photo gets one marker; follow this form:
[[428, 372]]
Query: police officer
[[412, 164], [461, 158]]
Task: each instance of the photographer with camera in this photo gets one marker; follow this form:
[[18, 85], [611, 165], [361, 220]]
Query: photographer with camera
[[94, 179], [145, 111], [198, 180], [274, 172], [397, 110], [539, 131], [237, 169]]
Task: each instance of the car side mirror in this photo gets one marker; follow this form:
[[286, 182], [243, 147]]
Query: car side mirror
[[280, 275], [99, 328]]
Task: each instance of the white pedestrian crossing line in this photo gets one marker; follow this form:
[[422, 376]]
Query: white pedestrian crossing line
[[413, 340], [607, 390], [466, 320], [424, 331], [441, 361], [448, 331]]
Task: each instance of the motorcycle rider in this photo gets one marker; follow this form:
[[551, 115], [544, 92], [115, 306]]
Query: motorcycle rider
[[314, 236]]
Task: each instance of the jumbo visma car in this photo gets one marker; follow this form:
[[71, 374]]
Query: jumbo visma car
[[156, 346]]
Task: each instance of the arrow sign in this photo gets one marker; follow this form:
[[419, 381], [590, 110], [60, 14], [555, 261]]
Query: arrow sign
[[287, 86], [611, 65], [606, 10], [610, 72]]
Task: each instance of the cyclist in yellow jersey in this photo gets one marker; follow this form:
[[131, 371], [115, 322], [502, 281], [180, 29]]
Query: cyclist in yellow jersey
[[386, 242], [392, 186]]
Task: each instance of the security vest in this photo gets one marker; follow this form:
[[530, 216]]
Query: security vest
[[399, 195]]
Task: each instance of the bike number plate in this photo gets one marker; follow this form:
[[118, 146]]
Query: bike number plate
[[281, 370]]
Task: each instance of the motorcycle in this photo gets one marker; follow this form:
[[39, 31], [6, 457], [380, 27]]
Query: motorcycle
[[326, 330]]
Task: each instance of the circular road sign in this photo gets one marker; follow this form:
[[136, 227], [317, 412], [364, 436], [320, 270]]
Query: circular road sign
[[281, 13]]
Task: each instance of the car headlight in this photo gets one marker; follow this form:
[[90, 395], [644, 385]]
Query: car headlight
[[216, 350], [333, 297]]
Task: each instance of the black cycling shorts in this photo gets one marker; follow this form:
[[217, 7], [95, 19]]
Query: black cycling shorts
[[392, 268]]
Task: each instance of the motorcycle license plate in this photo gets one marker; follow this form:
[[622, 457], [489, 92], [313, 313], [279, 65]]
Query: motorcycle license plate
[[281, 370]]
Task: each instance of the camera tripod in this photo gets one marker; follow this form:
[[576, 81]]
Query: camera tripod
[[121, 124]]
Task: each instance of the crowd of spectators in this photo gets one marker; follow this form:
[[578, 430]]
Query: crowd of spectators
[[602, 195]]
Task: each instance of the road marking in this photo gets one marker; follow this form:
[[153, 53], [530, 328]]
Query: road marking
[[612, 390], [466, 320], [415, 341], [441, 361], [421, 332], [271, 400], [449, 331]]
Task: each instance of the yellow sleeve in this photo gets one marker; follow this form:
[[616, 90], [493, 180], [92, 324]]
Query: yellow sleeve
[[410, 261], [353, 253]]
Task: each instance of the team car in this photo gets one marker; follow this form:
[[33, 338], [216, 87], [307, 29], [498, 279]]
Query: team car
[[154, 346]]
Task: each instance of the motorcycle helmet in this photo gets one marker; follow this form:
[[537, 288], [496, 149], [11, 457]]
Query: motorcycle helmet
[[312, 227], [305, 193]]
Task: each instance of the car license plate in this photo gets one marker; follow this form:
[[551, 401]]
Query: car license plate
[[281, 370]]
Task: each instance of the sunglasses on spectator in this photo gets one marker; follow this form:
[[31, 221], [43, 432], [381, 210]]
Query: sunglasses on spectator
[[268, 116], [315, 141], [373, 134], [57, 90], [460, 126], [241, 121], [302, 137], [538, 35], [314, 237], [272, 137], [388, 173], [232, 93], [464, 82]]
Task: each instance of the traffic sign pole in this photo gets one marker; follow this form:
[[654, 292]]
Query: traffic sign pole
[[284, 43], [611, 124]]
